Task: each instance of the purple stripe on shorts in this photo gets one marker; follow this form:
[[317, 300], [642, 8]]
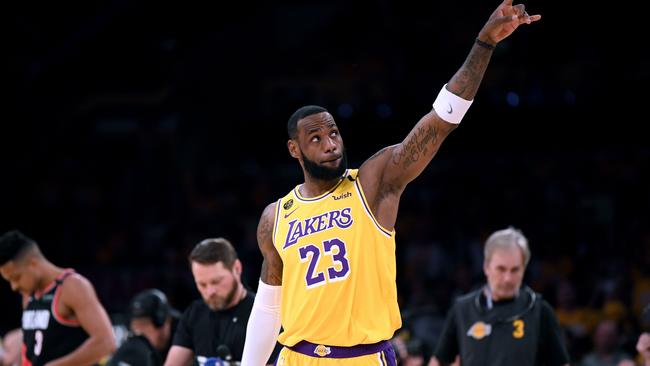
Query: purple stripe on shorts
[[319, 350]]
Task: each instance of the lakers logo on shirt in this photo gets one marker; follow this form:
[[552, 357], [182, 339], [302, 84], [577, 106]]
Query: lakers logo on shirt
[[322, 350], [479, 330]]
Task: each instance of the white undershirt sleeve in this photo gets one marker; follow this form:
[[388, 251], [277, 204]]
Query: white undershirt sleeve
[[263, 325]]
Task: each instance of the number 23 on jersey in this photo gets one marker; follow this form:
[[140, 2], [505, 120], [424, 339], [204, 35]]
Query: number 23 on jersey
[[338, 266]]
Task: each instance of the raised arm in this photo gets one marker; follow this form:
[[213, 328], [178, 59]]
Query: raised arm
[[79, 302], [264, 322], [385, 175]]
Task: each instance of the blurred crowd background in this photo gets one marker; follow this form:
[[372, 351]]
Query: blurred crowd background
[[133, 130]]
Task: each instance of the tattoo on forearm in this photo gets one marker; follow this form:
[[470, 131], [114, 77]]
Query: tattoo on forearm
[[467, 79], [416, 146]]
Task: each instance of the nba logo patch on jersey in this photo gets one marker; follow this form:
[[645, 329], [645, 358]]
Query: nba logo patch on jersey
[[322, 350], [479, 330]]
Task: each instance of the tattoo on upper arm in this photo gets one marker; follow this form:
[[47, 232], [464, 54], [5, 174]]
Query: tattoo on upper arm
[[415, 146], [272, 265], [378, 153], [265, 228]]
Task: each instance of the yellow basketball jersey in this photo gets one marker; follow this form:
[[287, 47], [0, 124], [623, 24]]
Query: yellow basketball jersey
[[338, 280]]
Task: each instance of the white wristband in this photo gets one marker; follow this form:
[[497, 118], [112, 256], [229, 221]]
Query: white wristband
[[450, 107]]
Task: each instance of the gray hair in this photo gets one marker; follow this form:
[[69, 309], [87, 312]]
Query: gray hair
[[507, 239]]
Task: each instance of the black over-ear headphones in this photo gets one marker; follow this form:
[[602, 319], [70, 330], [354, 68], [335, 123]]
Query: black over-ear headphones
[[528, 295], [162, 308], [153, 304]]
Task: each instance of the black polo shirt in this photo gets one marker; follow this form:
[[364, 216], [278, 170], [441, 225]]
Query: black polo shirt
[[520, 331]]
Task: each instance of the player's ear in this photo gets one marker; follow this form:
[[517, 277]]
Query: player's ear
[[294, 151]]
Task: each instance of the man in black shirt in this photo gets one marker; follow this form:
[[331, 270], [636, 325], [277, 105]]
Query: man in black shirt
[[503, 323], [151, 322], [214, 328]]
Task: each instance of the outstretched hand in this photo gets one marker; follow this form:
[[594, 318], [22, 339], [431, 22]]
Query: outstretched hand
[[504, 20]]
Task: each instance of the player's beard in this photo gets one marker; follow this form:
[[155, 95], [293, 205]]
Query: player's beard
[[218, 303], [322, 172]]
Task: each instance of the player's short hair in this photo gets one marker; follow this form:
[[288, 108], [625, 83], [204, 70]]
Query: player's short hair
[[14, 245], [302, 112], [214, 250], [506, 239]]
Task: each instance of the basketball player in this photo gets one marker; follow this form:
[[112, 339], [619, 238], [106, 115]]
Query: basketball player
[[328, 275], [63, 322]]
